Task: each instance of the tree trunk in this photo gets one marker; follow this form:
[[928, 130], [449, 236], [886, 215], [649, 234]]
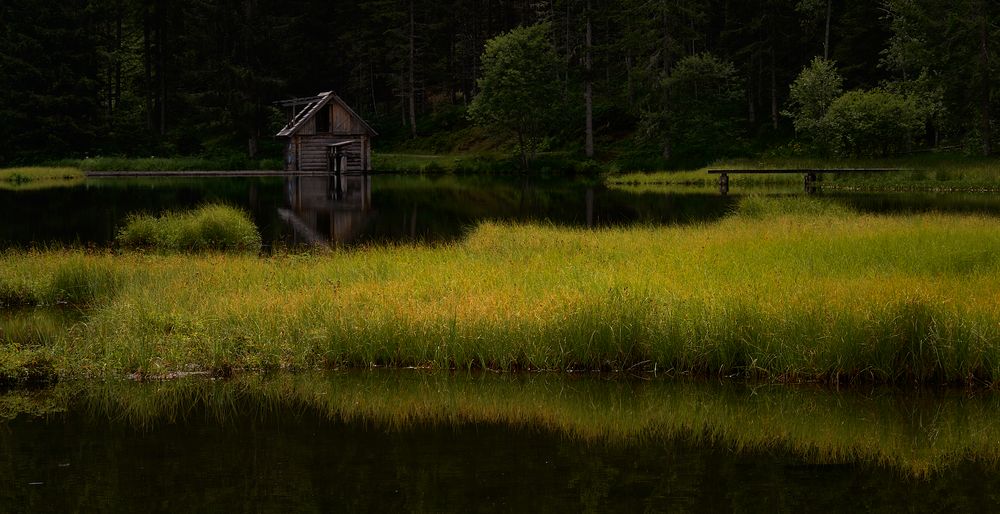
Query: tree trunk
[[984, 70], [826, 37], [147, 63], [412, 87], [588, 94], [160, 65], [371, 85], [774, 93], [118, 57], [666, 148], [524, 150]]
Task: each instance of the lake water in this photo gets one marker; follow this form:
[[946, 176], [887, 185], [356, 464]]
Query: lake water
[[387, 441], [452, 442], [378, 209]]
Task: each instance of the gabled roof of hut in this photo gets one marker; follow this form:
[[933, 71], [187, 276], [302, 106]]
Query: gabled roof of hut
[[313, 106]]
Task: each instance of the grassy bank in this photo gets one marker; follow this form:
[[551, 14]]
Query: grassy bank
[[794, 290], [39, 177], [929, 172], [228, 163]]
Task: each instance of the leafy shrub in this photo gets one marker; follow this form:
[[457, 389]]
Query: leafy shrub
[[871, 123], [210, 227]]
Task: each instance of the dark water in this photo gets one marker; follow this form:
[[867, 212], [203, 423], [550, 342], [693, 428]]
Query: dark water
[[411, 441], [307, 210]]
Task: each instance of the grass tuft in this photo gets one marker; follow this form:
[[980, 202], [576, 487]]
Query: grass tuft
[[207, 228]]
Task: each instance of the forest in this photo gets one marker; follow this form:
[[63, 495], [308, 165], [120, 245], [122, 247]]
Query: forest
[[647, 82]]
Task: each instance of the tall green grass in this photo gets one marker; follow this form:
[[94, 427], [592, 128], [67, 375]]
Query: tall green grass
[[917, 433], [791, 291], [210, 227]]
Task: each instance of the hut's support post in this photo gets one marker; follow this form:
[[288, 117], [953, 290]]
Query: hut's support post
[[724, 184]]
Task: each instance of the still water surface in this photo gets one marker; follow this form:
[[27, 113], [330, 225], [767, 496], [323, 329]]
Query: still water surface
[[431, 442], [415, 441], [379, 209]]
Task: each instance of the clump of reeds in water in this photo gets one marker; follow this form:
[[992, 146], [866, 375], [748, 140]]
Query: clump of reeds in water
[[208, 228]]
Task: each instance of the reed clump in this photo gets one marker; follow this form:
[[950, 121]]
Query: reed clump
[[786, 292], [210, 227]]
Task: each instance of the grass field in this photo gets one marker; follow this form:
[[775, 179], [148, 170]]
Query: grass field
[[787, 290]]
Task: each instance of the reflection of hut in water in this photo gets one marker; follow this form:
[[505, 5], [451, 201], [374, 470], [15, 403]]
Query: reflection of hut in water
[[319, 215], [324, 121]]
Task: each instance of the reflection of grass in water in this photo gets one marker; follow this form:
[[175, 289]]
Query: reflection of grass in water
[[786, 291], [917, 434], [36, 185]]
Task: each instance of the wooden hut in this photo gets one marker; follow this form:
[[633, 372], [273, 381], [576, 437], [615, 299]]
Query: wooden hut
[[326, 126]]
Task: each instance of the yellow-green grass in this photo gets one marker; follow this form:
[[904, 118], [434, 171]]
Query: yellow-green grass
[[926, 172], [917, 433], [39, 177], [790, 290]]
